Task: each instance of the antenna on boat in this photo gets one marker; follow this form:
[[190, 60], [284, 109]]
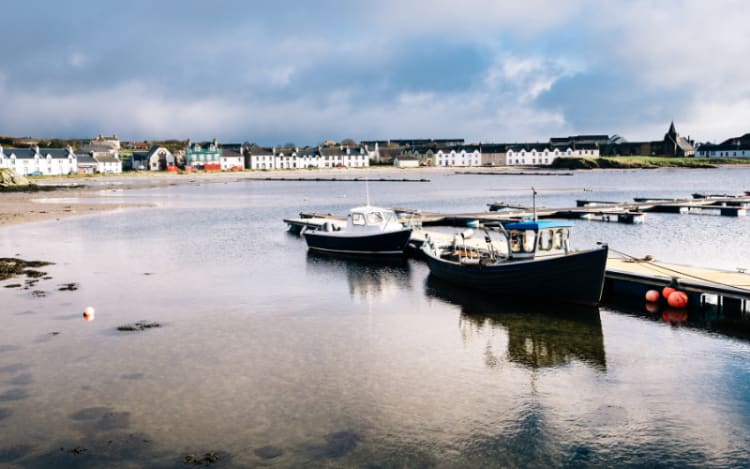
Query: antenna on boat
[[367, 191], [533, 203]]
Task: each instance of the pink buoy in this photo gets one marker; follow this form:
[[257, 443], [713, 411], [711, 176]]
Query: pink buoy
[[652, 296]]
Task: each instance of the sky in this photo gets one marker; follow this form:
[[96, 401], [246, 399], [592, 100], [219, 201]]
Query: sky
[[307, 71]]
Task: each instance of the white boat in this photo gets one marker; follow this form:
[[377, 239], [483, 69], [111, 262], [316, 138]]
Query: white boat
[[369, 230]]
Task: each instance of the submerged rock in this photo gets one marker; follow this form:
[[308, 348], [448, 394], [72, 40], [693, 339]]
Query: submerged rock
[[208, 458], [10, 267], [138, 326], [268, 452]]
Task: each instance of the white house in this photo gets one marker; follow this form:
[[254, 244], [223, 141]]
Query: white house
[[310, 157], [158, 158], [406, 161], [231, 159], [531, 155], [724, 150], [468, 155], [43, 162]]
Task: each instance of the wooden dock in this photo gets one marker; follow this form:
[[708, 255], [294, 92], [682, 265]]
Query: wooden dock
[[729, 290]]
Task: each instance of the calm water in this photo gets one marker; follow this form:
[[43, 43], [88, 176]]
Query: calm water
[[270, 356]]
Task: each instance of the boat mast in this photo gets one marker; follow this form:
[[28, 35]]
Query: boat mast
[[367, 191], [533, 203]]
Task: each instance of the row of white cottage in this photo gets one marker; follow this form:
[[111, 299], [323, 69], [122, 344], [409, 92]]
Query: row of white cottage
[[37, 161], [502, 155], [63, 161]]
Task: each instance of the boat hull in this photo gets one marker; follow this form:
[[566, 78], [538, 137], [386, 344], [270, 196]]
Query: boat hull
[[387, 243], [573, 278]]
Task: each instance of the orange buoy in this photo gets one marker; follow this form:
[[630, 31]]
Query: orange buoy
[[89, 313], [666, 291], [652, 307], [677, 299], [652, 295]]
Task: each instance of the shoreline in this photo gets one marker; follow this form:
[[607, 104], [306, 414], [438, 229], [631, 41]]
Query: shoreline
[[29, 207]]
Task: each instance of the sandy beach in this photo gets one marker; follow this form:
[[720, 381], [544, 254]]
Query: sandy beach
[[25, 207]]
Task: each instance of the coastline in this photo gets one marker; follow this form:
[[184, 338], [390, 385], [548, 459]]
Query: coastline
[[28, 207], [35, 206]]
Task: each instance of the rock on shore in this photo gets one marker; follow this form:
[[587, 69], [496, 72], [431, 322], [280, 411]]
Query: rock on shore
[[9, 178]]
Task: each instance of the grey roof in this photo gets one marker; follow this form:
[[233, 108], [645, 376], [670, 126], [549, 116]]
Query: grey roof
[[106, 158], [230, 152], [86, 159], [28, 153], [258, 150], [494, 147]]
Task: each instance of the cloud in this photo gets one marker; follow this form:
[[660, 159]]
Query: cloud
[[482, 70]]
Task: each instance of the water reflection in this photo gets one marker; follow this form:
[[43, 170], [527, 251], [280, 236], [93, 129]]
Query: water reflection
[[538, 336], [710, 318], [368, 279]]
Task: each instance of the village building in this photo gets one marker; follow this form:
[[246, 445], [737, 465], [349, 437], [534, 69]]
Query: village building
[[737, 147], [232, 159], [207, 156], [673, 144], [158, 158], [464, 155], [331, 156], [406, 161], [493, 154], [531, 154], [100, 155], [37, 161]]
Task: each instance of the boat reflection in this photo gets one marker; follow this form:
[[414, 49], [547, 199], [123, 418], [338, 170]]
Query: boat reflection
[[538, 336], [368, 278]]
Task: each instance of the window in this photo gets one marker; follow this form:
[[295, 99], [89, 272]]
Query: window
[[545, 240], [358, 219], [515, 241], [374, 218], [529, 239]]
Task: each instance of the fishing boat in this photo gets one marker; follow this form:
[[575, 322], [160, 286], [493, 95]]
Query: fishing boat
[[533, 260], [369, 230]]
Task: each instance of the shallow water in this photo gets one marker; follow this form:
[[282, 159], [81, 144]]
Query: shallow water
[[268, 355]]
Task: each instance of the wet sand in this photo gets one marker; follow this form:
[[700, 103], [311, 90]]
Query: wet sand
[[26, 207]]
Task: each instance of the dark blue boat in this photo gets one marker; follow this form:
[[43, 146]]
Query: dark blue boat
[[368, 231], [535, 264]]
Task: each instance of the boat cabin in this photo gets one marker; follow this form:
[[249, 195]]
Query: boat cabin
[[538, 238], [369, 218]]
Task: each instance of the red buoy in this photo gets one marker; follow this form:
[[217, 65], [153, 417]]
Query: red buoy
[[652, 295], [677, 299], [666, 291]]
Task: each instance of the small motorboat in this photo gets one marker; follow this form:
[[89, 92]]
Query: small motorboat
[[535, 263], [369, 230]]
